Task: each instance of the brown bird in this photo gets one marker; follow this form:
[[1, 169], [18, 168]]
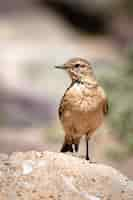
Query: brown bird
[[83, 106]]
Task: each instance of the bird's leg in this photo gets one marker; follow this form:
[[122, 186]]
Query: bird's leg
[[76, 142], [87, 138], [76, 147], [71, 148]]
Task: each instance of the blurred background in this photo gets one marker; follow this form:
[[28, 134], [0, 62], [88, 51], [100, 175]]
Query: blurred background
[[35, 35]]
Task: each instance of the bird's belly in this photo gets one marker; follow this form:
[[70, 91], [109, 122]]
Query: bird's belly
[[81, 122], [89, 121]]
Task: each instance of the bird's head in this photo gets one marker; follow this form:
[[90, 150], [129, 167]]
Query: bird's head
[[78, 69]]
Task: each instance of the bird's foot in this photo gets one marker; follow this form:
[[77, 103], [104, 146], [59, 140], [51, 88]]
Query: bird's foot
[[92, 162], [75, 154]]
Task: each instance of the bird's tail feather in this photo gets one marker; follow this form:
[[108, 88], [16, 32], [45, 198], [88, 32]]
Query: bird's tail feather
[[66, 147]]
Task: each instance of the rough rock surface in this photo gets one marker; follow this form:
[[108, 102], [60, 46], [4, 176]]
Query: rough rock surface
[[55, 176]]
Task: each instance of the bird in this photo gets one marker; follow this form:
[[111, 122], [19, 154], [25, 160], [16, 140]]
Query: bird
[[83, 106]]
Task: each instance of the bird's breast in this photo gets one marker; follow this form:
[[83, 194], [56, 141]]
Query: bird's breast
[[81, 98]]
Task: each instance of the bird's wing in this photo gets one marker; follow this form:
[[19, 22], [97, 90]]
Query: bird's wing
[[64, 102], [61, 108], [106, 107], [105, 100]]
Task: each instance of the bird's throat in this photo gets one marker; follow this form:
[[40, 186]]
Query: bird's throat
[[88, 80]]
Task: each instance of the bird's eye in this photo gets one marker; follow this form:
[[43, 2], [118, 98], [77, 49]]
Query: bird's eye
[[77, 65]]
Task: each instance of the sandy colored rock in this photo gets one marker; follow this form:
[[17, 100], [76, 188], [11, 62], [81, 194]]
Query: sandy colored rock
[[56, 176]]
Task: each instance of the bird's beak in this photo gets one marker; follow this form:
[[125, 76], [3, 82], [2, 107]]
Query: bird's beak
[[61, 67]]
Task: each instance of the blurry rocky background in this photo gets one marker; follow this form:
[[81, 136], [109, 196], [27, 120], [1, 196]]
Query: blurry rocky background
[[35, 35], [50, 175]]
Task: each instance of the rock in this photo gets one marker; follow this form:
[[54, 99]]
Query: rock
[[46, 175]]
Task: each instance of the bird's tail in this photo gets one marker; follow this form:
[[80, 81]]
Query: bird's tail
[[66, 147], [69, 147]]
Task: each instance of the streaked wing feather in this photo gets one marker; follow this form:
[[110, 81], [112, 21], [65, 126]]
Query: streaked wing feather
[[106, 107]]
